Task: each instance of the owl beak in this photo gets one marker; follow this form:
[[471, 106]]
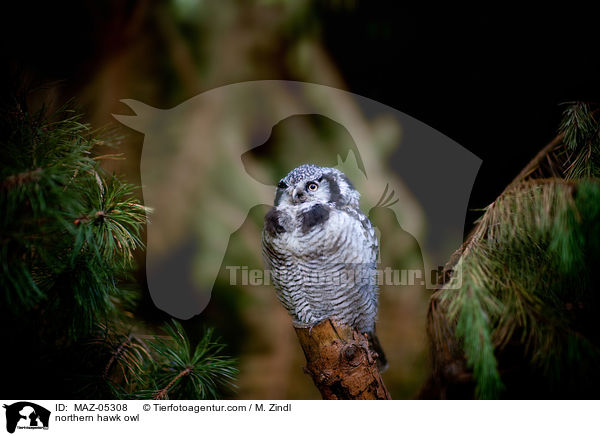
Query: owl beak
[[298, 196]]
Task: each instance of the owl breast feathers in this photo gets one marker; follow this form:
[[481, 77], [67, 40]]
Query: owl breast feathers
[[322, 250]]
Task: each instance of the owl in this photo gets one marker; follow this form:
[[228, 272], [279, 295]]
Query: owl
[[322, 252]]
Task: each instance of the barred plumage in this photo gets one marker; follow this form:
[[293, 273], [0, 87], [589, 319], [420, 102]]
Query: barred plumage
[[322, 251]]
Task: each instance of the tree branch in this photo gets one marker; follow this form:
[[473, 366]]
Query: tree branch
[[340, 362]]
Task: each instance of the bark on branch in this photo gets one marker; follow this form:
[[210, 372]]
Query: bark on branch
[[340, 362]]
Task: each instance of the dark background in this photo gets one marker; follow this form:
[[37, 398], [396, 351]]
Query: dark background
[[492, 79]]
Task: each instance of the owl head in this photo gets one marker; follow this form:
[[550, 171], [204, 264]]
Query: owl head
[[310, 184]]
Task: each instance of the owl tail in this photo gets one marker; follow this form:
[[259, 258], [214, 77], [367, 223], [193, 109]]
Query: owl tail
[[375, 345]]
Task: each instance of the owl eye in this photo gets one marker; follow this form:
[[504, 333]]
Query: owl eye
[[312, 186]]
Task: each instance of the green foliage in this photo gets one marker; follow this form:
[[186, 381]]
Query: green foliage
[[69, 233], [135, 366], [524, 280], [532, 255], [471, 308], [181, 371], [68, 230], [581, 129]]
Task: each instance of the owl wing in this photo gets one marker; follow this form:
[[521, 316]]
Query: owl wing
[[373, 245], [370, 236]]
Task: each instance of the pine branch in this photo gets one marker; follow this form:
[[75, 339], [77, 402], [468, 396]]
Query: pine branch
[[182, 372], [162, 394], [69, 233], [528, 262], [509, 290], [581, 129]]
